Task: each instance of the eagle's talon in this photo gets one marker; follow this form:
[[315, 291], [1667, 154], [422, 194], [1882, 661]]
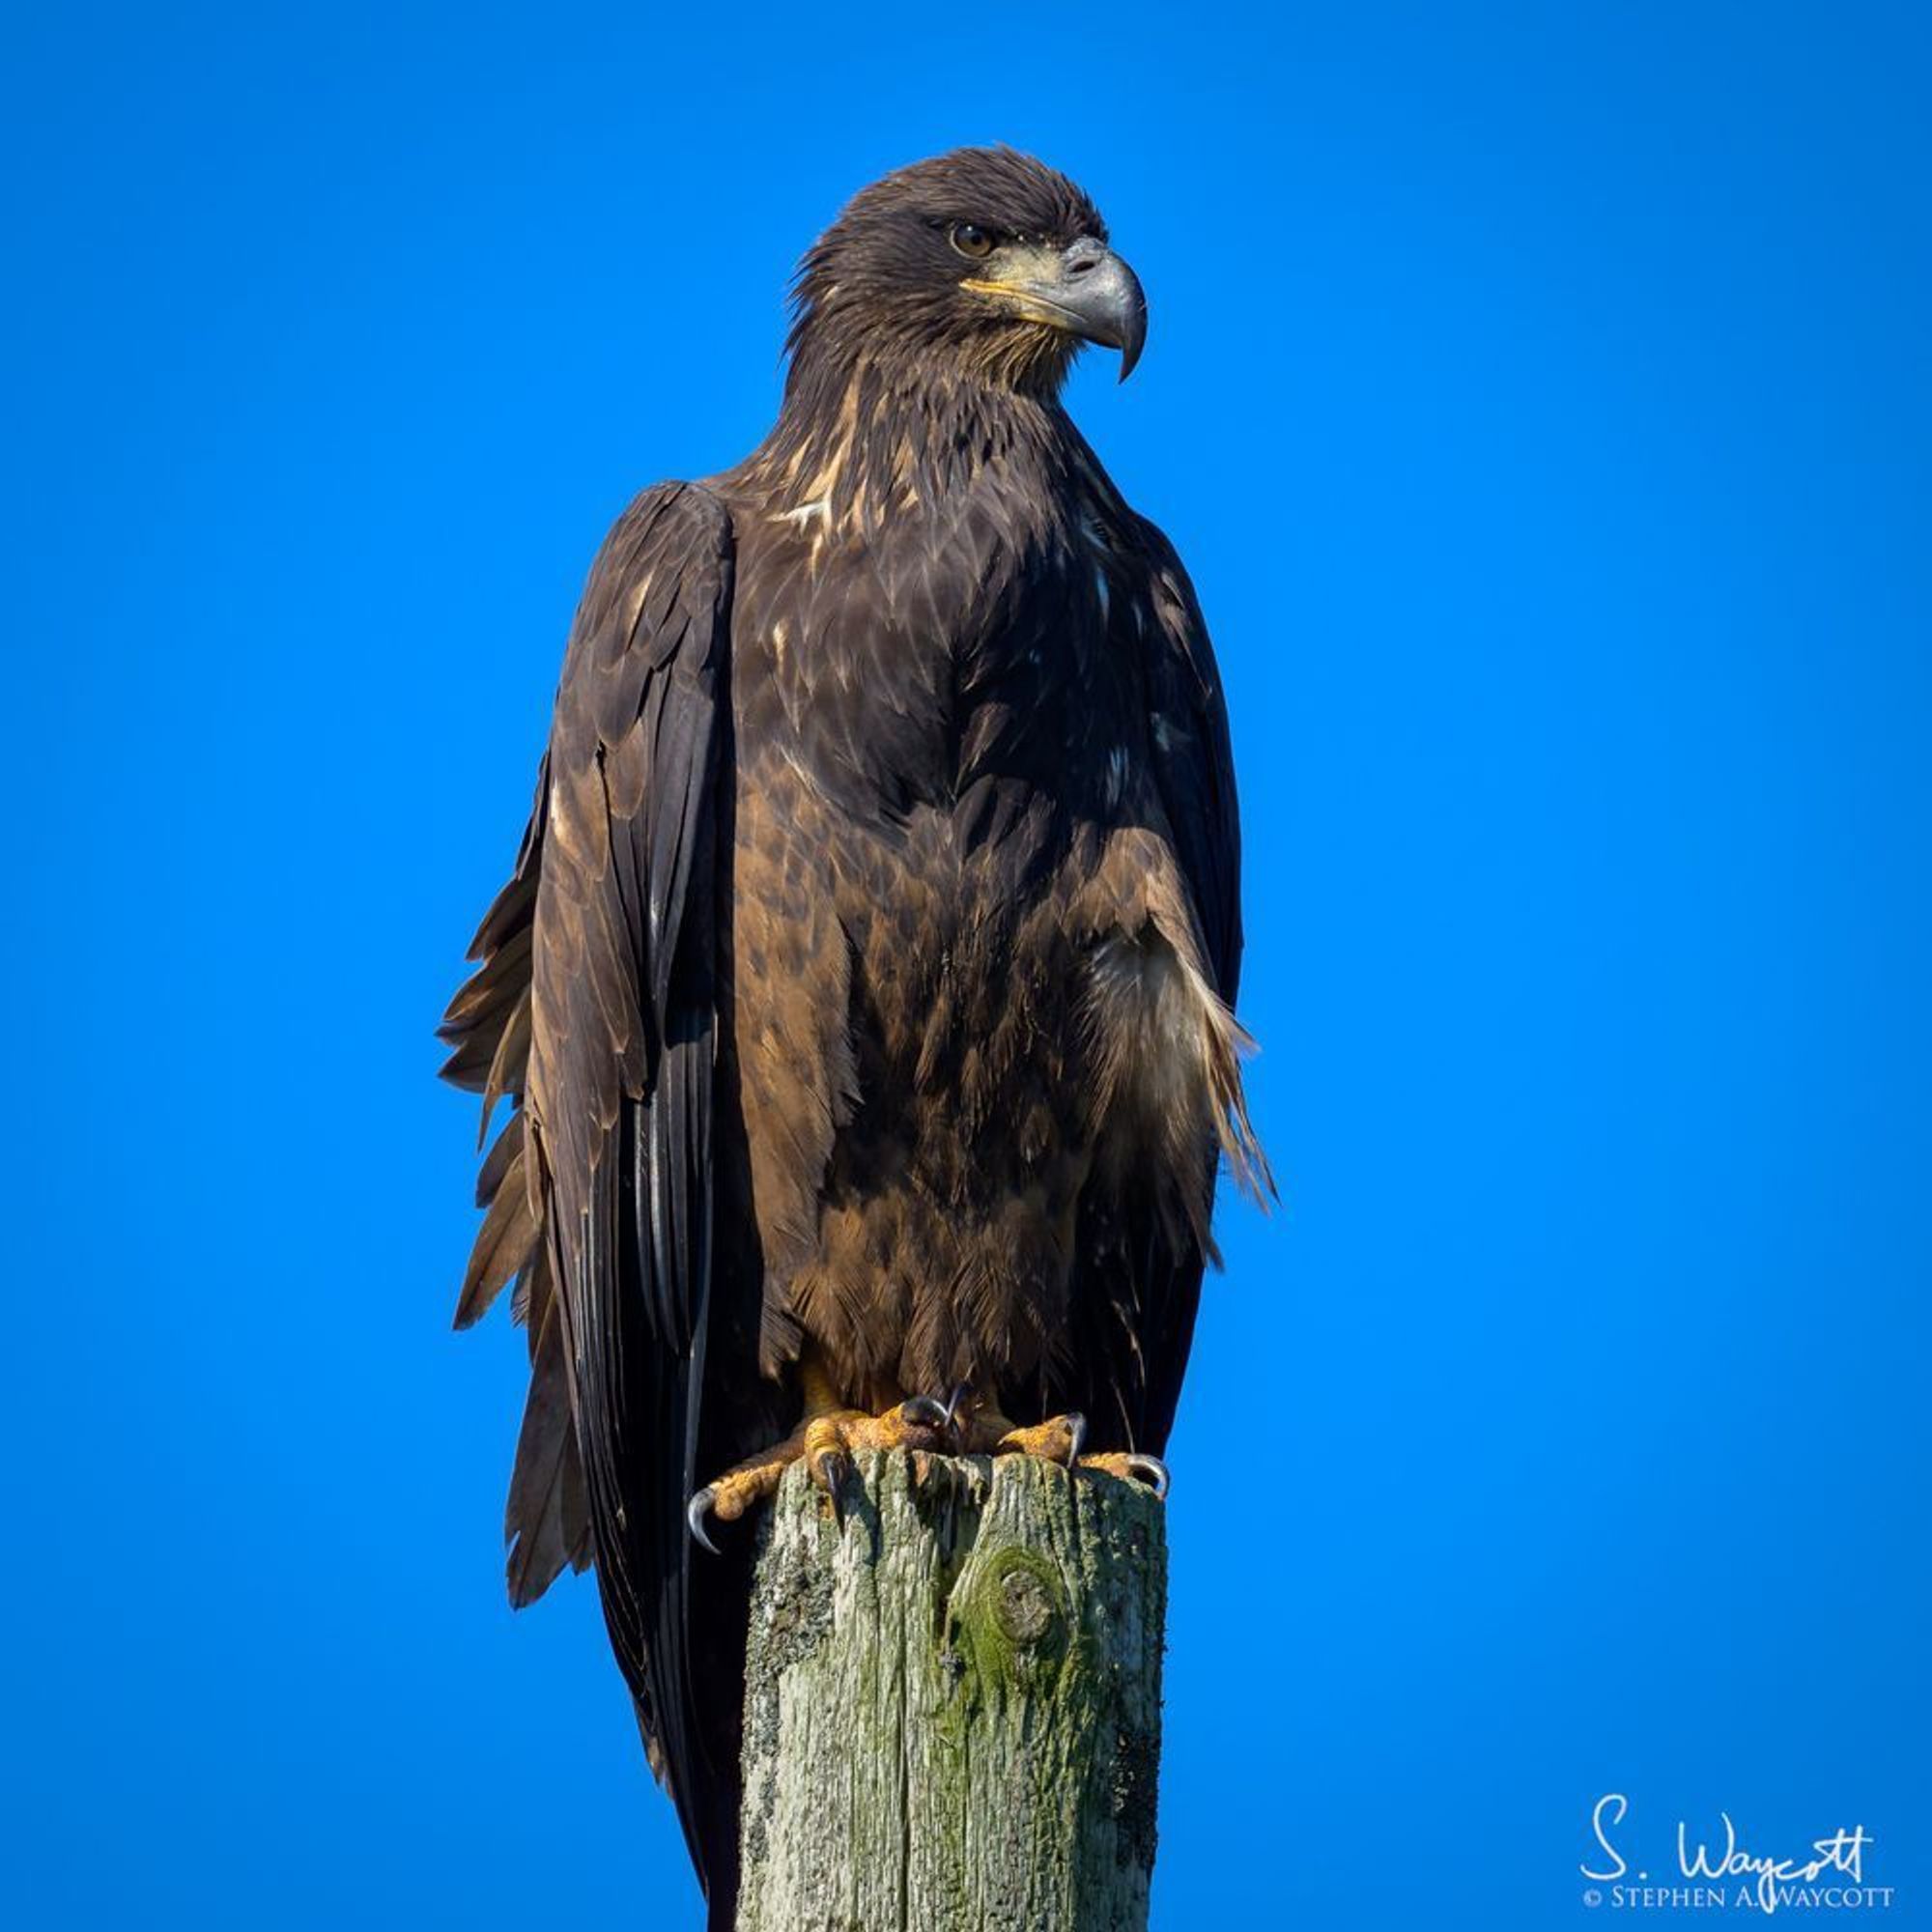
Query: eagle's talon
[[1057, 1439], [926, 1412], [955, 1425], [695, 1512], [831, 1438], [831, 1469], [1133, 1467]]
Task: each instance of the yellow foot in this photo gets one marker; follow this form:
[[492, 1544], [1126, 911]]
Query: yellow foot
[[825, 1443], [1057, 1439], [980, 1430]]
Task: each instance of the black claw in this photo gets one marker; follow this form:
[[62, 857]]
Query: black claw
[[831, 1468], [1153, 1471], [926, 1411], [1077, 1427], [695, 1512], [961, 1392]]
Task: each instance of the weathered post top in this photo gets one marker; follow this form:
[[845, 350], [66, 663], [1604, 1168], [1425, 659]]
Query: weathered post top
[[952, 1702]]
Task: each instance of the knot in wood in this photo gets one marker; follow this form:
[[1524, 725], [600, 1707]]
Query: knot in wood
[[1020, 1605], [1024, 1606]]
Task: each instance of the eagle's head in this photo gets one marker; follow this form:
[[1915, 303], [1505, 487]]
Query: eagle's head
[[983, 263]]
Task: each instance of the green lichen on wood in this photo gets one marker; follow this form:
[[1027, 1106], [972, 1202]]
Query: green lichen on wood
[[952, 1702], [1008, 1627]]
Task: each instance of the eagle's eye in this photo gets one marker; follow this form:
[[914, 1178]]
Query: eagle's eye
[[972, 241]]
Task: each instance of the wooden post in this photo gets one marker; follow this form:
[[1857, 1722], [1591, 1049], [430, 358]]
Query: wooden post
[[953, 1704]]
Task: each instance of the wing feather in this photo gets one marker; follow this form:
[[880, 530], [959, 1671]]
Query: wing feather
[[623, 1041], [1194, 759], [593, 1011], [1141, 1265], [504, 1243]]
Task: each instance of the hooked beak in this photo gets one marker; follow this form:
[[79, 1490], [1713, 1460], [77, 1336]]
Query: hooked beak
[[1085, 289]]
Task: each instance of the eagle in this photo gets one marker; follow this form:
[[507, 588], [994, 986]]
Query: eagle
[[862, 993]]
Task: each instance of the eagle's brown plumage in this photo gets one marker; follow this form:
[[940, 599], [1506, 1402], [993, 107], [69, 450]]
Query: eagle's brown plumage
[[864, 987]]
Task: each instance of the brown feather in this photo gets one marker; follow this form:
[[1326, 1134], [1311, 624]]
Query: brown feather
[[503, 1244], [545, 1522], [507, 1149]]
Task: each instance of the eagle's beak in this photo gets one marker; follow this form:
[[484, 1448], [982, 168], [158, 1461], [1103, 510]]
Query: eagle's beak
[[1086, 290]]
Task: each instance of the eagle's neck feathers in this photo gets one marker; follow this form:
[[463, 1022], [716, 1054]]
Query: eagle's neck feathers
[[860, 441]]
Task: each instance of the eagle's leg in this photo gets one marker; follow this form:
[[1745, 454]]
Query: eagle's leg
[[825, 1441], [982, 1430]]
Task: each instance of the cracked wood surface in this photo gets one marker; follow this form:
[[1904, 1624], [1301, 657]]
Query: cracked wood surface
[[953, 1704]]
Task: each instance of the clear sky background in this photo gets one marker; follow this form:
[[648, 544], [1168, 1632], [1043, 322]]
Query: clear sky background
[[1540, 396]]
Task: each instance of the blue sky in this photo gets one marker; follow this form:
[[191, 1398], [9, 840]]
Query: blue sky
[[1540, 397]]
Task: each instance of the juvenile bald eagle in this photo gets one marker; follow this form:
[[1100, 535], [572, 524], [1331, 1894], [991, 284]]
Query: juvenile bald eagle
[[863, 992]]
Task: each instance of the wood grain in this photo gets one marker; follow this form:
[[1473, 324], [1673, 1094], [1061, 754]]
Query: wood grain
[[952, 1702]]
